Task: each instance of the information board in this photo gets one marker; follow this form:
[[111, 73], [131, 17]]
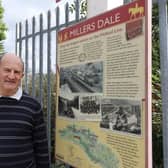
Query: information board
[[103, 90]]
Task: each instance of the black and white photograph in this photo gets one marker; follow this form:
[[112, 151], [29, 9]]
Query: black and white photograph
[[89, 107], [121, 115], [84, 78], [68, 105]]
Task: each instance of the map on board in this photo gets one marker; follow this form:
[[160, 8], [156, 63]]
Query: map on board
[[97, 152]]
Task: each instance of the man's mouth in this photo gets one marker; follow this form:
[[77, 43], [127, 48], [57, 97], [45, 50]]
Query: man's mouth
[[10, 82]]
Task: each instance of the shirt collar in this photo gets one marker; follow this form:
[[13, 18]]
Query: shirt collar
[[17, 95]]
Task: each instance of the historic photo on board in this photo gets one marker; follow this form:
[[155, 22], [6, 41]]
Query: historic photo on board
[[90, 108], [121, 115], [84, 78], [68, 105]]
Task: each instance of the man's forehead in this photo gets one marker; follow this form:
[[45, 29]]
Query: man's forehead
[[11, 59]]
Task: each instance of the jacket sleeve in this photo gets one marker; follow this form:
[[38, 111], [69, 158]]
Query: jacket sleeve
[[40, 141]]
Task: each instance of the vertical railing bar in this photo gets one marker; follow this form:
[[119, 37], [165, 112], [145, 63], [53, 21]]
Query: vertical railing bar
[[163, 25], [57, 29], [49, 80], [77, 5], [16, 37], [41, 60], [20, 39], [26, 57], [67, 14], [33, 57], [57, 18], [67, 23]]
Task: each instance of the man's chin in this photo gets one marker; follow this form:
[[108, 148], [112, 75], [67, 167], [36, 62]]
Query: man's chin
[[10, 90]]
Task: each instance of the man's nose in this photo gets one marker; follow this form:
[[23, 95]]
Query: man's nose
[[12, 75]]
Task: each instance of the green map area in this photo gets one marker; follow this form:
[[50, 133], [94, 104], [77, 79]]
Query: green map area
[[88, 141]]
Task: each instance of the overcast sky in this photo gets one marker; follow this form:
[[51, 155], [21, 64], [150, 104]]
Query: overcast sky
[[19, 10]]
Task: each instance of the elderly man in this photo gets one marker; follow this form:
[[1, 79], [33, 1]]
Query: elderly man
[[23, 141]]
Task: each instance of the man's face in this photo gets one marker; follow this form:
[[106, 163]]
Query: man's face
[[11, 73]]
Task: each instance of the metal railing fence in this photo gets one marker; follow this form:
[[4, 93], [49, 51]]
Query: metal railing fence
[[36, 45]]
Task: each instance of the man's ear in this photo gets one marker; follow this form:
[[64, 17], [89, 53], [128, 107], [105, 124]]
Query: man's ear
[[22, 75]]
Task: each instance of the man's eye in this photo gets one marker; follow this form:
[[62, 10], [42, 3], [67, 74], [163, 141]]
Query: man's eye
[[7, 70], [17, 72]]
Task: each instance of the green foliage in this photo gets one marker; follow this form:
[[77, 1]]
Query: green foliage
[[83, 8], [3, 27], [156, 93]]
